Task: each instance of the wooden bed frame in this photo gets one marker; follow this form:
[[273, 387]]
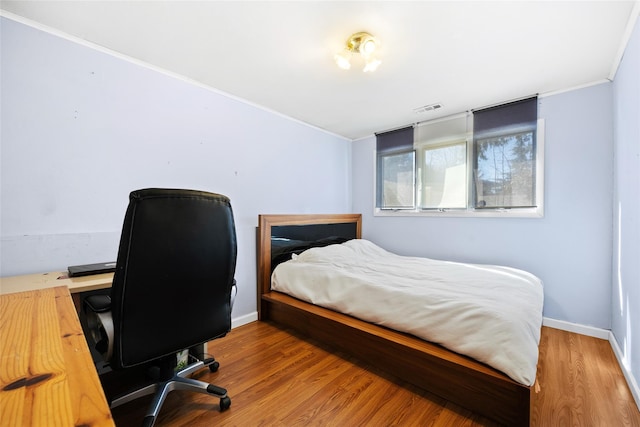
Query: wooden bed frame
[[456, 378]]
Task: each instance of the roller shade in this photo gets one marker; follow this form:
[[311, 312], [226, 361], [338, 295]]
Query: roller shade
[[395, 140], [522, 113]]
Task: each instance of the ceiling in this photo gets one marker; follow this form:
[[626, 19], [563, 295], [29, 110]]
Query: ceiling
[[279, 54]]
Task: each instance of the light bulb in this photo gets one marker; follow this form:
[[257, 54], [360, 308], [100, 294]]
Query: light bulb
[[367, 47], [342, 61], [372, 65]]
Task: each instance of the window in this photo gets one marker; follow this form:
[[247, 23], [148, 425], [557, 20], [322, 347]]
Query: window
[[485, 164], [396, 169], [398, 182], [505, 155], [442, 152], [504, 171], [444, 176]]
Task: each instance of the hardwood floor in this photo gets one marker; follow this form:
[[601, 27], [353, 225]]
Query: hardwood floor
[[275, 378]]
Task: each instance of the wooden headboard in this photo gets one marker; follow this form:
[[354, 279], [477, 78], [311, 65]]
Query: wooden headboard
[[305, 227]]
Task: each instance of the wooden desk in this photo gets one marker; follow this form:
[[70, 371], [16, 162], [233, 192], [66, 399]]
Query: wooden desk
[[47, 376], [28, 282]]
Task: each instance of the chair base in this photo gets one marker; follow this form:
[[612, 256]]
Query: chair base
[[177, 381]]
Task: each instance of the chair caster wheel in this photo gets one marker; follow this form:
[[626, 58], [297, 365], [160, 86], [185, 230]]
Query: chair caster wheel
[[214, 366], [225, 402]]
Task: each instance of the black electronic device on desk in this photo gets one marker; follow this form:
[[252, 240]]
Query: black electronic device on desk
[[89, 269]]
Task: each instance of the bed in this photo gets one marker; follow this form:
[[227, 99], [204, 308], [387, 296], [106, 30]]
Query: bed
[[460, 379]]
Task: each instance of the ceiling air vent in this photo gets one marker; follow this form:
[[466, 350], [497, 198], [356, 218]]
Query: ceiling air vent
[[426, 108]]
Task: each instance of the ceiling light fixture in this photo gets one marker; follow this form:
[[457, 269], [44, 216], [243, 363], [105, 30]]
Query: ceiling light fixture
[[364, 44]]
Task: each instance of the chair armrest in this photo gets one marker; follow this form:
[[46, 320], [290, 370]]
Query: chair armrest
[[98, 303], [234, 292]]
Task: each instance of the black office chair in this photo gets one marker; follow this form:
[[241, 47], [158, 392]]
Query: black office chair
[[172, 290]]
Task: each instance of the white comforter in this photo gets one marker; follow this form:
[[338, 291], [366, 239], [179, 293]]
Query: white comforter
[[490, 313]]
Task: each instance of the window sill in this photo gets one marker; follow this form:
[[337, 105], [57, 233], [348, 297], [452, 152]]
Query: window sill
[[462, 213]]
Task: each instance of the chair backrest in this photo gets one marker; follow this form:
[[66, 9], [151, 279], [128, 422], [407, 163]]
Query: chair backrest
[[174, 274]]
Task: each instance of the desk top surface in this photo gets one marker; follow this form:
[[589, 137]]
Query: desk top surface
[[31, 282], [47, 376]]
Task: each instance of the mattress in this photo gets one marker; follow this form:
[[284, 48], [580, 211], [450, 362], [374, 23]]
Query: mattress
[[490, 313]]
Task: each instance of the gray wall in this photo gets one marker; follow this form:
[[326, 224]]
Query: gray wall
[[625, 305], [569, 249], [81, 129]]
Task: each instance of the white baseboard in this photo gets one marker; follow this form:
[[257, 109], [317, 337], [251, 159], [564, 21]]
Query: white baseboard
[[631, 381], [604, 334], [589, 331], [243, 320]]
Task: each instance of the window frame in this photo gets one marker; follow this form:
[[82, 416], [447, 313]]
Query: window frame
[[420, 170], [379, 195], [473, 201], [470, 211]]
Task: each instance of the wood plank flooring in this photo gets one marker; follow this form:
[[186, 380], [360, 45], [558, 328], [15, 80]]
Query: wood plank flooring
[[275, 378]]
